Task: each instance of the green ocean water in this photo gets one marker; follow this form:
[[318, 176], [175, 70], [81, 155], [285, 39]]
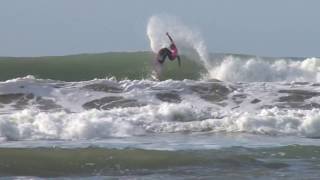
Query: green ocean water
[[259, 162], [124, 65]]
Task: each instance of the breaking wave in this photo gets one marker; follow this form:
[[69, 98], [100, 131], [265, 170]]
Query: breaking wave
[[237, 69]]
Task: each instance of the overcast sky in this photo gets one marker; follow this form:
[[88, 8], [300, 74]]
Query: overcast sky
[[58, 27]]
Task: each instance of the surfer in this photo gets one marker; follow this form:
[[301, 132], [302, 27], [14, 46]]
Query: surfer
[[171, 53]]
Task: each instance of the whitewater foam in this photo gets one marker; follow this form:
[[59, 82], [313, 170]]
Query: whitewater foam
[[165, 118], [235, 69], [141, 107]]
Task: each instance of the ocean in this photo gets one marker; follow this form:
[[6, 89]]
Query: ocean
[[103, 116]]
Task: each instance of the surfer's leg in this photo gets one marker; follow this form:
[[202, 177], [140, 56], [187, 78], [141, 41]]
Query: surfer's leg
[[162, 55]]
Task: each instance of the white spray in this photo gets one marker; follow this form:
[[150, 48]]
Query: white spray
[[230, 68], [183, 36]]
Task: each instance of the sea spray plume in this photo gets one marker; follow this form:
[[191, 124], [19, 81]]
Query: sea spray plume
[[184, 36]]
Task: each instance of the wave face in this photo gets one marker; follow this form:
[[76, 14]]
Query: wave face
[[122, 65]]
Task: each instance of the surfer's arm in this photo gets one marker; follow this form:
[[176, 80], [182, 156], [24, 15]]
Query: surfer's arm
[[179, 62], [170, 37]]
